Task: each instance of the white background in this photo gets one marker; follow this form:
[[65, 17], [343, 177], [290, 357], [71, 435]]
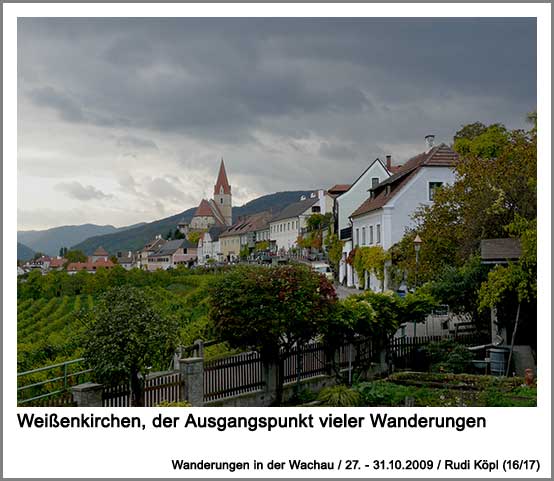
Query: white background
[[511, 433]]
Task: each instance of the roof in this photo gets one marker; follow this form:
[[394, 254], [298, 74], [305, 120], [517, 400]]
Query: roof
[[89, 265], [215, 231], [204, 209], [249, 224], [170, 247], [55, 262], [100, 252], [500, 250], [222, 181], [338, 188], [208, 208], [295, 209], [439, 156], [154, 244]]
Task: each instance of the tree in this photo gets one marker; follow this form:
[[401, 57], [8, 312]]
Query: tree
[[38, 255], [75, 256], [178, 234], [63, 251], [194, 237], [334, 249], [271, 310], [371, 260], [495, 183], [125, 337]]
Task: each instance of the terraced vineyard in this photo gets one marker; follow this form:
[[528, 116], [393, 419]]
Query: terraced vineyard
[[49, 331]]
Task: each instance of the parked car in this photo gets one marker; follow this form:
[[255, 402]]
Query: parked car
[[324, 269]]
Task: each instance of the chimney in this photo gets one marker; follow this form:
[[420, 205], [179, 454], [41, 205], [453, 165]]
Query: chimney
[[429, 141], [389, 162]]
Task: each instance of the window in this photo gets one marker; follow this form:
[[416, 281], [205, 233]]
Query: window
[[288, 225], [357, 237], [370, 234], [378, 233], [316, 208], [374, 182], [221, 201], [363, 236], [433, 186]]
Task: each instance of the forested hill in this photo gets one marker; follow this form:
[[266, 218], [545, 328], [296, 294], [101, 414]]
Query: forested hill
[[24, 253], [135, 238], [49, 241]]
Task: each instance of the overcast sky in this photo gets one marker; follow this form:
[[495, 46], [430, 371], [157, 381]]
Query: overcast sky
[[125, 120]]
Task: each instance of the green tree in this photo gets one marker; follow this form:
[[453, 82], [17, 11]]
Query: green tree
[[334, 249], [126, 337], [495, 184], [271, 310], [76, 256], [63, 251], [194, 237]]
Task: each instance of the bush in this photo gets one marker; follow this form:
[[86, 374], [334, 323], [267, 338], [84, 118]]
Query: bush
[[339, 396], [449, 356], [382, 393]]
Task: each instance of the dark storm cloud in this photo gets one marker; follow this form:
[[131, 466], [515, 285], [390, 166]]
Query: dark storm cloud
[[153, 104], [221, 76]]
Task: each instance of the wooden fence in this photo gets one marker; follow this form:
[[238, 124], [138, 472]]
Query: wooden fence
[[405, 350], [157, 389], [310, 358], [233, 375]]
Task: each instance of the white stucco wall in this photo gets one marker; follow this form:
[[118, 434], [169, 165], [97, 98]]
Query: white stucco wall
[[358, 193]]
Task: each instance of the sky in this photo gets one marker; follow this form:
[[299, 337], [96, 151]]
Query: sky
[[125, 120]]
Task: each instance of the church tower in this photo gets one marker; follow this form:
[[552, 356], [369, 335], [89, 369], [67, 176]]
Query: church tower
[[222, 195]]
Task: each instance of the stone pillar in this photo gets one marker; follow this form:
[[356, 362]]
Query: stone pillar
[[87, 395], [192, 372], [270, 376]]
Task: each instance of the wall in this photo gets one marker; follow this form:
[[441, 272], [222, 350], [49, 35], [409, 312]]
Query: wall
[[358, 193]]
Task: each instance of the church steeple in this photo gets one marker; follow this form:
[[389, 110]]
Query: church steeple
[[222, 184], [222, 195]]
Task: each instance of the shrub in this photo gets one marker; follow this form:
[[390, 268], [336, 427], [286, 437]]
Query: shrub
[[339, 396], [382, 393], [448, 356]]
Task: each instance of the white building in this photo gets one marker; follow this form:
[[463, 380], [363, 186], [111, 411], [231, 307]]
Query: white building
[[383, 218], [209, 245], [286, 226], [347, 202]]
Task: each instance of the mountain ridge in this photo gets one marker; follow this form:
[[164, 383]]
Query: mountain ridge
[[135, 238]]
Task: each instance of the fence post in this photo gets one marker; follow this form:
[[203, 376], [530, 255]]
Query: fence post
[[192, 386], [270, 376], [88, 394]]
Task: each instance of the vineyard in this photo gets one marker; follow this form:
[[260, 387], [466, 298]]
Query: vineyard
[[50, 330]]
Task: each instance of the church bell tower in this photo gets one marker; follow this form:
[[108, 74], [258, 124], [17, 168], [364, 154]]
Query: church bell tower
[[222, 195]]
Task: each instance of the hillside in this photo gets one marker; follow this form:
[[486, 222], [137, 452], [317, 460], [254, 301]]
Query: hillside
[[49, 241], [24, 253], [135, 238]]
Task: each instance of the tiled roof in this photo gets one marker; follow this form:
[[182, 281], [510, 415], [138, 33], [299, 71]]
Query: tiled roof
[[248, 224], [338, 188], [222, 181], [204, 209], [170, 247], [89, 265], [439, 156], [57, 262], [100, 252], [295, 209]]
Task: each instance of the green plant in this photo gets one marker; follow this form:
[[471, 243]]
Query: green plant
[[339, 396], [448, 356]]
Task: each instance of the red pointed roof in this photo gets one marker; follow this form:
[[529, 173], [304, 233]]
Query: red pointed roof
[[204, 209], [222, 181]]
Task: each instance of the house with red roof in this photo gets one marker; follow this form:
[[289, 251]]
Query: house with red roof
[[90, 266], [384, 216]]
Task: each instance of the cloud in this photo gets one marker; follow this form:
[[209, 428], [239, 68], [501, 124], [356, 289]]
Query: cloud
[[150, 105], [81, 192]]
